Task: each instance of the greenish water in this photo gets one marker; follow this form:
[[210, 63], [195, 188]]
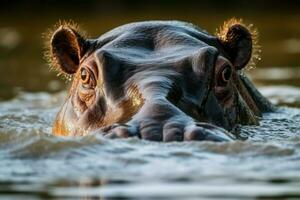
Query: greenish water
[[36, 165]]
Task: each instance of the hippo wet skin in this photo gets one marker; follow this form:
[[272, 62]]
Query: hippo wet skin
[[157, 80]]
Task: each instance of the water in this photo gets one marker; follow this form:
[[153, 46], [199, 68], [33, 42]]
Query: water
[[37, 165]]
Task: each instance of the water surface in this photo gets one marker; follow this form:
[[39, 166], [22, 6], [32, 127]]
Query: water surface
[[37, 165]]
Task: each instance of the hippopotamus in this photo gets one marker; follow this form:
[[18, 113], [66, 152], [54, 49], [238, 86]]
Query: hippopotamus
[[157, 80]]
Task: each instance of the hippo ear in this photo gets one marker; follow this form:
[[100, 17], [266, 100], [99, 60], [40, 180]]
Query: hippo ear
[[238, 40], [66, 49]]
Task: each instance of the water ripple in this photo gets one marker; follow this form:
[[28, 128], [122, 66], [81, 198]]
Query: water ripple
[[29, 153]]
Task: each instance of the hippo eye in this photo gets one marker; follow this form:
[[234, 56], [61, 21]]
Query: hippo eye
[[84, 75], [225, 75], [87, 79]]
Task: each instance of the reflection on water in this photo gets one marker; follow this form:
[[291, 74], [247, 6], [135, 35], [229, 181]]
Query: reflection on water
[[38, 165], [283, 84]]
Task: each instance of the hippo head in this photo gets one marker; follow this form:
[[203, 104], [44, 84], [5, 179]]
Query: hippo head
[[157, 80]]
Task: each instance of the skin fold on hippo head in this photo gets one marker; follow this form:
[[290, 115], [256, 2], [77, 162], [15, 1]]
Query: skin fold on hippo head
[[157, 80]]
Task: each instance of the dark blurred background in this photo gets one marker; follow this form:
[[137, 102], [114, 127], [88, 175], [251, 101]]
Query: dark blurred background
[[22, 23]]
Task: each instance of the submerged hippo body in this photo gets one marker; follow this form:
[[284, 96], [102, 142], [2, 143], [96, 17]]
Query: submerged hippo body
[[157, 80]]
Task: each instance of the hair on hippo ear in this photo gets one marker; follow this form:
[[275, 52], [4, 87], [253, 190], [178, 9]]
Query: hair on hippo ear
[[65, 45], [240, 42]]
